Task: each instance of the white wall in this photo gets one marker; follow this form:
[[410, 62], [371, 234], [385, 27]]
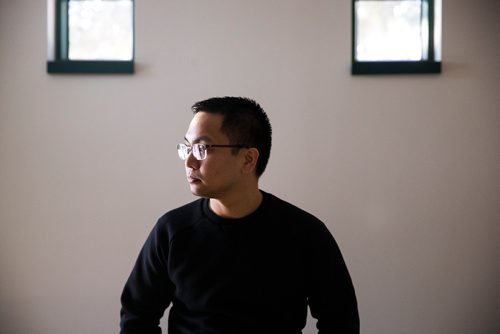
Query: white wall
[[405, 170]]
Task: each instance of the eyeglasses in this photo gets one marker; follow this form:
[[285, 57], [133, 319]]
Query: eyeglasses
[[199, 150]]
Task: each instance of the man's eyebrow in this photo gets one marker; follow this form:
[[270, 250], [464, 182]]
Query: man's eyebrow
[[199, 139]]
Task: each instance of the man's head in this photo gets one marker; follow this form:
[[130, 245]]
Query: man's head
[[244, 123]]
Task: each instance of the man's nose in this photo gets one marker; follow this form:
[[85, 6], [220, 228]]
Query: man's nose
[[191, 161]]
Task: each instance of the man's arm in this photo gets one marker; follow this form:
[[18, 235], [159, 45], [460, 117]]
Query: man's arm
[[148, 290], [332, 299]]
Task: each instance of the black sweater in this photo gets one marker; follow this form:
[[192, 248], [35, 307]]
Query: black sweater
[[253, 275]]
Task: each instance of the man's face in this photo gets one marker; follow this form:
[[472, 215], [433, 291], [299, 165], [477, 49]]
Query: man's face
[[219, 175]]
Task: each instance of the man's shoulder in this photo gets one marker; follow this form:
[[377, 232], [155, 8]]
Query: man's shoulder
[[296, 220], [181, 218], [290, 211]]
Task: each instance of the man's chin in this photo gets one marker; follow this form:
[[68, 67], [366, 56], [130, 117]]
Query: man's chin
[[197, 191]]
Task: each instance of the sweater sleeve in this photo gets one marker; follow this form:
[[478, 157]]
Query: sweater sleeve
[[332, 299], [148, 291]]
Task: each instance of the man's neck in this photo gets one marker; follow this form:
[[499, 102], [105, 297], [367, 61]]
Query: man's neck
[[237, 206]]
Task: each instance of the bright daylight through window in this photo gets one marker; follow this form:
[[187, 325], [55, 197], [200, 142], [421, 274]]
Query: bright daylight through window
[[100, 30], [91, 36], [391, 36]]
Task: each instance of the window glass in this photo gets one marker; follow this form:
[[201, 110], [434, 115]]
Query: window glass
[[100, 30], [390, 31], [438, 8]]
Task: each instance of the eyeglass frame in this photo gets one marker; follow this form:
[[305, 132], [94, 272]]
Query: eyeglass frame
[[189, 149]]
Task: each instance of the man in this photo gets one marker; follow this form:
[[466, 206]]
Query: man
[[238, 260]]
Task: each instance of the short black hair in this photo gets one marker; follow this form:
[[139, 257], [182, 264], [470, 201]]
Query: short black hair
[[245, 123]]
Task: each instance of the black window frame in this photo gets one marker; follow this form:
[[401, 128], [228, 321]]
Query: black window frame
[[429, 65], [59, 61]]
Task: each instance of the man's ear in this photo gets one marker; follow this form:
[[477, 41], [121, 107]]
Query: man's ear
[[251, 157]]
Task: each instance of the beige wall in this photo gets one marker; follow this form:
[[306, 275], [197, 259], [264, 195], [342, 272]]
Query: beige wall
[[405, 170]]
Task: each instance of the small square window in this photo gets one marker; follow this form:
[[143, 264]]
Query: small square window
[[396, 36], [91, 36]]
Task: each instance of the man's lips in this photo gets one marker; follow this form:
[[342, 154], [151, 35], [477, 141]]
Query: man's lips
[[193, 179]]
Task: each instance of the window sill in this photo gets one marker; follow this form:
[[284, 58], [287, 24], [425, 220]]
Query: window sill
[[395, 67], [90, 66]]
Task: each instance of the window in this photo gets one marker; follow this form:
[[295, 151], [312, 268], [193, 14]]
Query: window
[[396, 36], [90, 36]]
